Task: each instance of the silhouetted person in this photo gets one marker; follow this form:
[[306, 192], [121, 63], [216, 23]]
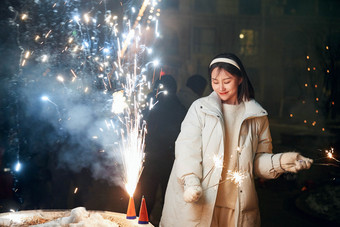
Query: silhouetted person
[[193, 90], [163, 126]]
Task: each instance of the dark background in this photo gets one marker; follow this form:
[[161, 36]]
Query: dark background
[[272, 38]]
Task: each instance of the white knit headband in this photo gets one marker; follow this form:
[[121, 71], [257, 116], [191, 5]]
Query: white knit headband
[[224, 60]]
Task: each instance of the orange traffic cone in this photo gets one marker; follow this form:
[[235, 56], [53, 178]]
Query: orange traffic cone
[[131, 211], [143, 213]]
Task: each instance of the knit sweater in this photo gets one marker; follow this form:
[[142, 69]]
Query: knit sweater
[[227, 190]]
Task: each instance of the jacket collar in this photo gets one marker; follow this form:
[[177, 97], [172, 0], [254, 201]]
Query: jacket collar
[[212, 105]]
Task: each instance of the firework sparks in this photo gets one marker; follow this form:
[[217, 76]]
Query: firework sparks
[[133, 155], [18, 166], [119, 102], [105, 48]]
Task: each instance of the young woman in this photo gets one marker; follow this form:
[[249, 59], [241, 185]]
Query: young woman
[[230, 127]]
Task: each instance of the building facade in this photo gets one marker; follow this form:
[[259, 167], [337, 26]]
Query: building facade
[[272, 37]]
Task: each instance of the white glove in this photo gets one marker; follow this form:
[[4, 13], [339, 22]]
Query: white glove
[[192, 188], [294, 162]]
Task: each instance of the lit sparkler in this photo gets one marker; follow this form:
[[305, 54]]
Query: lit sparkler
[[236, 177], [329, 155], [218, 163]]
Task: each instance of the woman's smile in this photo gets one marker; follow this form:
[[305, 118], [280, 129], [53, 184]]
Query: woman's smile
[[225, 85]]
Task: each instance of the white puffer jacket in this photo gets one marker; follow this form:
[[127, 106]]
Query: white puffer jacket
[[201, 138]]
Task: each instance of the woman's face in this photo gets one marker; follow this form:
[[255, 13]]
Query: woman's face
[[225, 85]]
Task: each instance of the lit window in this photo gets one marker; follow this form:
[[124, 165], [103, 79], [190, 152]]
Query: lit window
[[248, 42]]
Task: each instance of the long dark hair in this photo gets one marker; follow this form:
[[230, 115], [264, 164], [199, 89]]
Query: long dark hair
[[245, 89]]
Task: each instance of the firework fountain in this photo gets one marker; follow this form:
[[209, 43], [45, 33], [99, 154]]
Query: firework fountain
[[89, 62]]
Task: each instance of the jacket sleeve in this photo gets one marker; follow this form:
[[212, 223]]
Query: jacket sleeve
[[188, 155], [266, 164]]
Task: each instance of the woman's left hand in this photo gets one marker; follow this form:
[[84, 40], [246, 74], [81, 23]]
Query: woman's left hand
[[294, 162]]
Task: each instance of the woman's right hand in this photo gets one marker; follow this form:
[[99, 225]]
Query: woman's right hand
[[192, 188]]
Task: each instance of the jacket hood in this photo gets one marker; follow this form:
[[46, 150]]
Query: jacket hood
[[212, 105]]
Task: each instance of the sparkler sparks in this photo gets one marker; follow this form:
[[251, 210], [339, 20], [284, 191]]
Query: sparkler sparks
[[218, 163], [236, 177], [330, 153]]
